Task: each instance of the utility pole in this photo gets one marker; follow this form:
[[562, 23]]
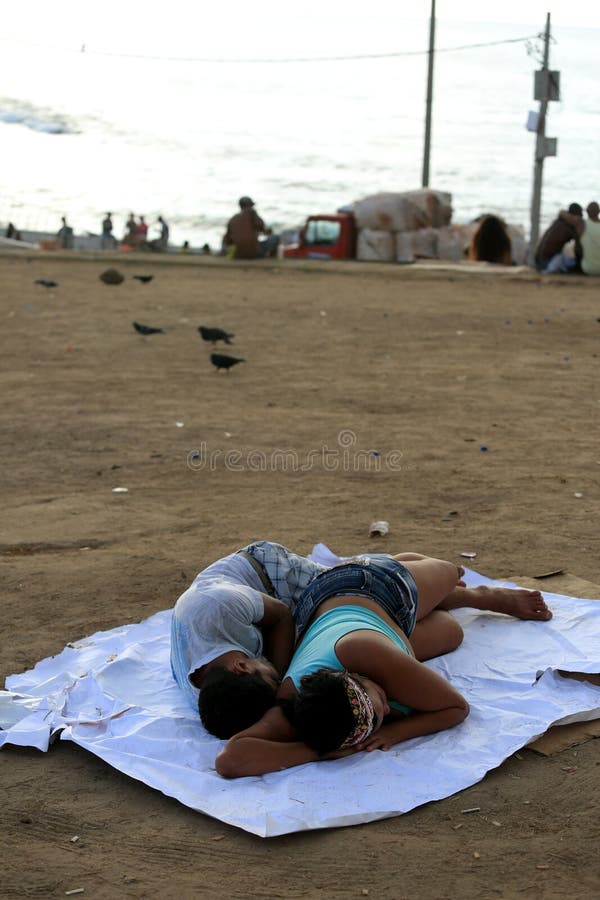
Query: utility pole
[[429, 102], [546, 88]]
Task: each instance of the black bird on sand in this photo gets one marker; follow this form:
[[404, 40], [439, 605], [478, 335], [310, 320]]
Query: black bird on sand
[[46, 282], [215, 334], [222, 361], [145, 279], [146, 329]]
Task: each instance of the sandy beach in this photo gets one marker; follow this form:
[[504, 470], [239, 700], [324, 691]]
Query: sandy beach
[[461, 404]]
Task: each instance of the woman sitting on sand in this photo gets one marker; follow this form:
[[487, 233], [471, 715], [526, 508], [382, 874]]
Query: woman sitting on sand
[[357, 680], [491, 242]]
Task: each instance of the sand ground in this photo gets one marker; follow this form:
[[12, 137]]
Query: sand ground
[[426, 368]]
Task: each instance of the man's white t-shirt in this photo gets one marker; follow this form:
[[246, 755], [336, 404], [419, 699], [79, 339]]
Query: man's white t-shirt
[[219, 612], [590, 244]]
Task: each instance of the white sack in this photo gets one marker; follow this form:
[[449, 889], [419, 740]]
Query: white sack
[[375, 246], [406, 211]]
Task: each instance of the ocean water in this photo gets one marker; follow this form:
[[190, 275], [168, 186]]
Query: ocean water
[[86, 132]]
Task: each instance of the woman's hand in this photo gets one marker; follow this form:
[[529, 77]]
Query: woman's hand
[[376, 741], [382, 739]]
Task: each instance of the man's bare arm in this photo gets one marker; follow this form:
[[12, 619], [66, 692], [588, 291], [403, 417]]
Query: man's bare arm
[[575, 221], [277, 626], [268, 746]]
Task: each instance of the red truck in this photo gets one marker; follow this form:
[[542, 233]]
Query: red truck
[[383, 219], [330, 236]]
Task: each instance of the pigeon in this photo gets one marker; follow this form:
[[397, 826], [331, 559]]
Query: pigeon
[[46, 282], [145, 279], [146, 329], [214, 334], [221, 361], [111, 276]]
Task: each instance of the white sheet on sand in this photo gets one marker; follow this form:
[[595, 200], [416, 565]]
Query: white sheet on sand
[[112, 693]]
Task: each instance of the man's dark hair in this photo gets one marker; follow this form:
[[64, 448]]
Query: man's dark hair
[[575, 209], [229, 703], [321, 712]]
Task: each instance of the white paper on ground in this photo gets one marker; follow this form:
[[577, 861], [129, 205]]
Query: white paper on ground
[[113, 694]]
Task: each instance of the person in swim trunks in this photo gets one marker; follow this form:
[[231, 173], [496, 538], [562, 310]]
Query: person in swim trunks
[[357, 680]]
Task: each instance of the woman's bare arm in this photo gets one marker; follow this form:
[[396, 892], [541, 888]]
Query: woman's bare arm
[[404, 728], [436, 704]]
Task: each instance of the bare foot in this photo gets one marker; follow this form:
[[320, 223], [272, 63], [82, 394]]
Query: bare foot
[[517, 602]]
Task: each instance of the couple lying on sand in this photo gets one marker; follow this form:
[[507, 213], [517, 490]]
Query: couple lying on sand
[[294, 661]]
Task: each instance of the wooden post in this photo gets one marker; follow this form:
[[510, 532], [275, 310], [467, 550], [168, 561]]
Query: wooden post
[[429, 102], [540, 151]]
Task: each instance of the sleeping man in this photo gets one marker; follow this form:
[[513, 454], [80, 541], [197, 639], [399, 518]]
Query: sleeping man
[[233, 633]]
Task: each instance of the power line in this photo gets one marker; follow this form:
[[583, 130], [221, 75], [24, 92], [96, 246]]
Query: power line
[[309, 59], [281, 60]]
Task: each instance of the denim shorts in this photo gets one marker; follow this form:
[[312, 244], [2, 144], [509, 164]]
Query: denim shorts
[[378, 577]]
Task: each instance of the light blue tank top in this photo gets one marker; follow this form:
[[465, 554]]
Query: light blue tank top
[[317, 650]]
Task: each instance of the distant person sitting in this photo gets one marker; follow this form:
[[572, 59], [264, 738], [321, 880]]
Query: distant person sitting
[[131, 225], [132, 238], [491, 242], [12, 233], [550, 255], [589, 236], [241, 239], [65, 235], [107, 241], [142, 229]]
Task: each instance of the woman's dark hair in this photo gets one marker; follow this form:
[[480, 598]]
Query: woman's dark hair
[[491, 242], [321, 712], [229, 703]]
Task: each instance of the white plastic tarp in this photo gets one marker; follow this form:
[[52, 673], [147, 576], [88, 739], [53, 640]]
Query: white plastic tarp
[[113, 694]]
